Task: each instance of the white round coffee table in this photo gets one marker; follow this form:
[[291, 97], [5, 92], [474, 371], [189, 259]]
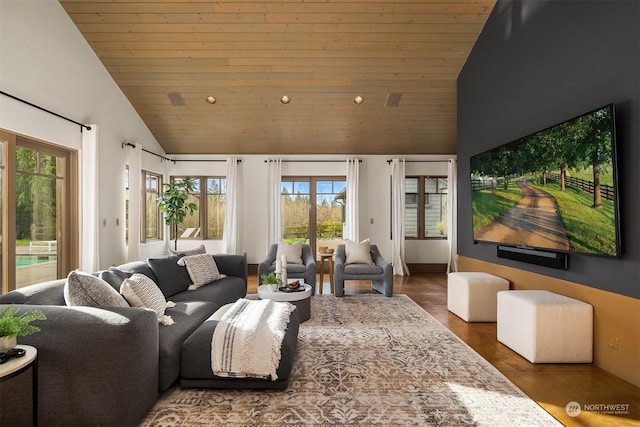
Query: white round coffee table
[[300, 298]]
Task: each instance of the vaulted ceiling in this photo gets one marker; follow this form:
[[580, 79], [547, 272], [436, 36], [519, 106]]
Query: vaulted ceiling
[[401, 57]]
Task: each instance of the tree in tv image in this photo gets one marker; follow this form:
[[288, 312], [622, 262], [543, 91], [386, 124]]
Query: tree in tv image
[[554, 189]]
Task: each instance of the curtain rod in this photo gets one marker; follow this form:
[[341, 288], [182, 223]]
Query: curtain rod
[[424, 161], [46, 111], [129, 144], [311, 161], [205, 160]]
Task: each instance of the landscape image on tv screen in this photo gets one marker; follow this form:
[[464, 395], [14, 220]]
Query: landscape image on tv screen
[[554, 189]]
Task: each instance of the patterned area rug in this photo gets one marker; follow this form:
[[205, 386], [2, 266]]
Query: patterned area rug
[[367, 360]]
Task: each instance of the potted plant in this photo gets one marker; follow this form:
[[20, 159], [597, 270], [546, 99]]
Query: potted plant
[[271, 280], [12, 326], [174, 204]]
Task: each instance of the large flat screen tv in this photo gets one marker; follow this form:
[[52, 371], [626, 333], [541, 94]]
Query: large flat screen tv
[[553, 190]]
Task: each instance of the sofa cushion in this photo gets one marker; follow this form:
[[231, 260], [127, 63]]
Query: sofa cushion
[[114, 277], [141, 291], [221, 292], [88, 290], [358, 253], [188, 316], [292, 251], [141, 267], [46, 293], [201, 268], [363, 269], [170, 277]]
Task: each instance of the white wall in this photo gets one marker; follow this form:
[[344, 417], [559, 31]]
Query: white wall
[[375, 199], [45, 60]]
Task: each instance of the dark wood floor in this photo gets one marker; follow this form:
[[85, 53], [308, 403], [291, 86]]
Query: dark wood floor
[[553, 386]]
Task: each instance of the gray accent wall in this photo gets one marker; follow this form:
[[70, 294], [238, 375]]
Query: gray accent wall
[[538, 63]]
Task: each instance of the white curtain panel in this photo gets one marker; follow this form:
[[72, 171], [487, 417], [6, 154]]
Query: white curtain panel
[[452, 216], [230, 232], [352, 212], [397, 217], [89, 230], [274, 226], [134, 160]]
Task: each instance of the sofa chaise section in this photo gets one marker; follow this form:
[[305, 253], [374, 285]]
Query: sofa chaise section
[[96, 366]]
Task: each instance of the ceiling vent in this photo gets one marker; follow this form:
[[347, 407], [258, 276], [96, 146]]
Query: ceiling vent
[[176, 99], [393, 100]]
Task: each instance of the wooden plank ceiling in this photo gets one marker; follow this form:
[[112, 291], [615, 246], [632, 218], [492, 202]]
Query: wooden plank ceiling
[[402, 57]]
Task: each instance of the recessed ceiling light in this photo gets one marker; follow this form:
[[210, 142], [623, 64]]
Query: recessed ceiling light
[[211, 100], [285, 99], [358, 100]]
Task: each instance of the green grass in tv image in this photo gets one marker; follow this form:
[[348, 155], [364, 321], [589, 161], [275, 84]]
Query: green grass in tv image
[[553, 189], [588, 229]]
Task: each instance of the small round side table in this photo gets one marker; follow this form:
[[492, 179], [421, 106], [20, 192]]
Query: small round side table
[[328, 257], [15, 367], [301, 299]]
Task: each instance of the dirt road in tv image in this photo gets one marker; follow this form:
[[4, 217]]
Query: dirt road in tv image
[[533, 221]]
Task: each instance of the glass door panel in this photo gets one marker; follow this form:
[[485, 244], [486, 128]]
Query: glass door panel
[[38, 204], [295, 207], [2, 202], [330, 212]]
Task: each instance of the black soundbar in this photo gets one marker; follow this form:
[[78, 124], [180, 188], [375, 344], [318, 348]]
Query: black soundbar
[[534, 256]]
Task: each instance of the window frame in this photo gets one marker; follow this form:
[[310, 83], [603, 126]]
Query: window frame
[[67, 233], [144, 207], [312, 180], [202, 204], [423, 196]]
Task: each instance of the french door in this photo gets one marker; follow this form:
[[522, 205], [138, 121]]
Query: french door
[[313, 209], [39, 204]]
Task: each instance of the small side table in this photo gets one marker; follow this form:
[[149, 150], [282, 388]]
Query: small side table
[[15, 367], [301, 299], [329, 258]]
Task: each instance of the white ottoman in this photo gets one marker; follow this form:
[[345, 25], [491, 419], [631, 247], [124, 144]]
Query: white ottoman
[[472, 296], [544, 327]]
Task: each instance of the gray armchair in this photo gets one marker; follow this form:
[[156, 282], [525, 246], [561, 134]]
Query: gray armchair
[[380, 272], [305, 271]]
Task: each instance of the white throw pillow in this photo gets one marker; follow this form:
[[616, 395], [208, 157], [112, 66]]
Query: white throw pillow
[[358, 253], [88, 290], [202, 269], [292, 251], [141, 291]]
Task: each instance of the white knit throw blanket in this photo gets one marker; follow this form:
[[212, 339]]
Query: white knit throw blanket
[[248, 337]]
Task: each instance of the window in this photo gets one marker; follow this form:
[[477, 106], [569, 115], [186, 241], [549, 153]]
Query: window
[[38, 215], [152, 219], [425, 207], [208, 221], [322, 221]]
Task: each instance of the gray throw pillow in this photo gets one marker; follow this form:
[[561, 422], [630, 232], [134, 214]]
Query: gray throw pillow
[[91, 291], [114, 277], [202, 269]]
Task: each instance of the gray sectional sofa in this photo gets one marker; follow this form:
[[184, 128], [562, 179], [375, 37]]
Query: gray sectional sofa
[[106, 366]]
